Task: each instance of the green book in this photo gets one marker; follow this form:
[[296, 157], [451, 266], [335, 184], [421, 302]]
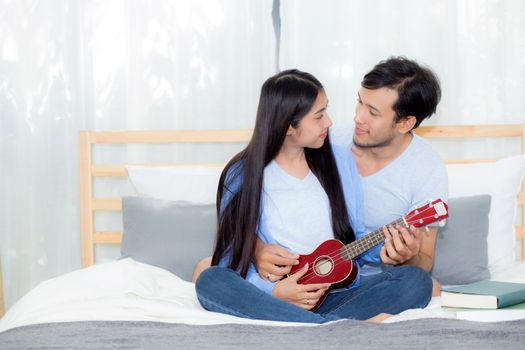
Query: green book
[[483, 295]]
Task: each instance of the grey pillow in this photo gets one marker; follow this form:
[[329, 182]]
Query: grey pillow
[[461, 246], [171, 235]]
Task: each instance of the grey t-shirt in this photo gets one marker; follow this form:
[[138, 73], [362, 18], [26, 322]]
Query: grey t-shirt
[[413, 179]]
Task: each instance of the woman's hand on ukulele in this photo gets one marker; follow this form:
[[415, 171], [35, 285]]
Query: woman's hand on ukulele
[[401, 244], [305, 296], [272, 261]]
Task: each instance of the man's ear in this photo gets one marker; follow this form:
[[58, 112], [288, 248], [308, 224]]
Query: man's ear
[[406, 124]]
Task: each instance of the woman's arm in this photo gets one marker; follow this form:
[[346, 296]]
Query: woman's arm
[[304, 296]]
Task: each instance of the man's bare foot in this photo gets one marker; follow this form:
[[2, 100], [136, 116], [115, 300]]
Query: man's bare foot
[[436, 288], [379, 318]]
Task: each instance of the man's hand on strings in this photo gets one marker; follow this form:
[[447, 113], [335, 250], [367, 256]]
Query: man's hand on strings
[[401, 244]]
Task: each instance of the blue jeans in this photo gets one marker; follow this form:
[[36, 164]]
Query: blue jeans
[[394, 290]]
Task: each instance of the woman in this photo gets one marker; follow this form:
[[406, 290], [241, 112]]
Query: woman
[[285, 187]]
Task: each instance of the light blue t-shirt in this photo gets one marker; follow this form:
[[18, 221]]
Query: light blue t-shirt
[[296, 211], [411, 180], [353, 199]]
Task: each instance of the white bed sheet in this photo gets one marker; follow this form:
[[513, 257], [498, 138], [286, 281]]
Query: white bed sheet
[[129, 290], [118, 290]]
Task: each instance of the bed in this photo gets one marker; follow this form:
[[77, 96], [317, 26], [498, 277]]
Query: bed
[[144, 298]]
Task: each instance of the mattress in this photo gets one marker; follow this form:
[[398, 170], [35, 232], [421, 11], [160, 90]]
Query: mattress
[[126, 290]]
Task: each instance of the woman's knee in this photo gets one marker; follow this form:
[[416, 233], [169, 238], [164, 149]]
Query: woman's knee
[[418, 284], [214, 277], [207, 278], [415, 275]]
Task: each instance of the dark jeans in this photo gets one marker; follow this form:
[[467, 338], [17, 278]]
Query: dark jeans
[[392, 291]]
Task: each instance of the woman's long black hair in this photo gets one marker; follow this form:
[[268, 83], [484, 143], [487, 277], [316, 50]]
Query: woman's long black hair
[[285, 99]]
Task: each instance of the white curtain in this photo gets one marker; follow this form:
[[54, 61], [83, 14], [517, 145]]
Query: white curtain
[[477, 48], [69, 65], [108, 65]]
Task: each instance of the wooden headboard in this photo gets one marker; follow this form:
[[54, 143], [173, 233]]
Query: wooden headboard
[[89, 170]]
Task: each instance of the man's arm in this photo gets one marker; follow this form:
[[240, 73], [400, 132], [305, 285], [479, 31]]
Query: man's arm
[[409, 247], [425, 257], [272, 261]]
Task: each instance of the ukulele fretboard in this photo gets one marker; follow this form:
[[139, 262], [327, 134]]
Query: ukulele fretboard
[[356, 248]]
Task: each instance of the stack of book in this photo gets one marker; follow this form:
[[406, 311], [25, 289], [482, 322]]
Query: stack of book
[[486, 301]]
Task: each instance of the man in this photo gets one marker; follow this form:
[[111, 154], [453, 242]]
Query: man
[[399, 171]]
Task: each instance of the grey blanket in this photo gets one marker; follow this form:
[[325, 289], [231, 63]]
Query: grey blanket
[[415, 334]]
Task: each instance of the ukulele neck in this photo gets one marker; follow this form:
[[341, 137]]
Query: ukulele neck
[[358, 247]]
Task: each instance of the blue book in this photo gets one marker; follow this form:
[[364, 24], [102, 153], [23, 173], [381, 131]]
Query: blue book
[[483, 295]]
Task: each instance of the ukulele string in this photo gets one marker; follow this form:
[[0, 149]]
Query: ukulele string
[[337, 257]]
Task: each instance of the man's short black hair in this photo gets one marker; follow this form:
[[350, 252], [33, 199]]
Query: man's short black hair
[[417, 87]]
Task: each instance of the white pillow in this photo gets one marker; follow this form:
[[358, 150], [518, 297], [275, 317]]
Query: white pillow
[[191, 184], [502, 181]]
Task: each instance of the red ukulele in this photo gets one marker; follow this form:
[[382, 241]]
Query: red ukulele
[[332, 261]]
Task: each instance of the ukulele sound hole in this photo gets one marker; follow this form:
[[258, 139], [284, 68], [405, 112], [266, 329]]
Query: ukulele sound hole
[[323, 266]]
